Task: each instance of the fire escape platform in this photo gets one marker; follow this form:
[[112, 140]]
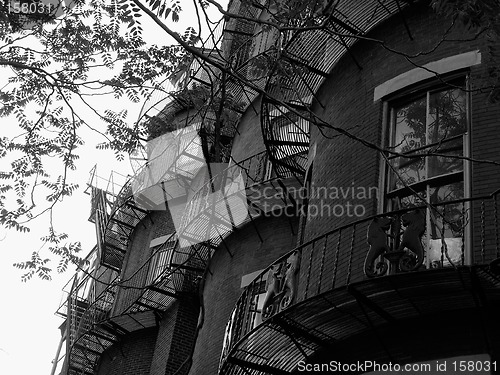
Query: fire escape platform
[[225, 213], [130, 322], [340, 317]]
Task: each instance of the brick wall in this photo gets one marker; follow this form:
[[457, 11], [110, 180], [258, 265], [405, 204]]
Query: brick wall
[[346, 100], [130, 356], [248, 139], [222, 285], [164, 341], [155, 224], [175, 338], [183, 336]]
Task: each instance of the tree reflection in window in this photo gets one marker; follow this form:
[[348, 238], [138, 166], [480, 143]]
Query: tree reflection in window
[[430, 131]]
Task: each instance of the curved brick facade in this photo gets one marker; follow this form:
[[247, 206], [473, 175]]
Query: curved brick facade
[[347, 102], [248, 139], [245, 254]]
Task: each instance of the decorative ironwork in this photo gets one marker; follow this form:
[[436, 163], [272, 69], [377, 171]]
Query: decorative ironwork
[[377, 239], [330, 263], [402, 248], [281, 286], [414, 222]]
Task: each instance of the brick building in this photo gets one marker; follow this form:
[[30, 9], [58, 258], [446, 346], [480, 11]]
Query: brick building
[[356, 218]]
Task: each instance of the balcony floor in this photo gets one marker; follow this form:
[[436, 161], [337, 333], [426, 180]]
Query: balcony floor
[[402, 318]]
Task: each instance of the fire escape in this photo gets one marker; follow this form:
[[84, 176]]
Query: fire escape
[[306, 59], [102, 305], [224, 202], [93, 320]]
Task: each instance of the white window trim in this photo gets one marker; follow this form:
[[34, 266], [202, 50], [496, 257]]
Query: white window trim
[[430, 70]]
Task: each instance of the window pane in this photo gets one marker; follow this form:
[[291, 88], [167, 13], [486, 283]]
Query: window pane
[[447, 224], [423, 127], [409, 134], [408, 171], [446, 193], [441, 165], [410, 126], [409, 201], [447, 115]]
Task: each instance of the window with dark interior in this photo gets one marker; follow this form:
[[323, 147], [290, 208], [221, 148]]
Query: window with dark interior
[[428, 137]]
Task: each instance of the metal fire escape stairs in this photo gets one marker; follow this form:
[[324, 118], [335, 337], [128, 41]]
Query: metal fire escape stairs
[[305, 61]]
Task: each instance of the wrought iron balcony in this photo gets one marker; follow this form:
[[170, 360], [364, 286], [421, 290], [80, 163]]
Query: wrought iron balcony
[[293, 299]]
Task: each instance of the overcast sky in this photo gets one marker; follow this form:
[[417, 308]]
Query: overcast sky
[[29, 333]]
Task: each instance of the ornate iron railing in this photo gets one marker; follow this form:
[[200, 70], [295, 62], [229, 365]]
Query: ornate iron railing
[[375, 246]]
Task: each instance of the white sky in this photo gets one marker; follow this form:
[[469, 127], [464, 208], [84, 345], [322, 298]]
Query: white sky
[[29, 333], [28, 326]]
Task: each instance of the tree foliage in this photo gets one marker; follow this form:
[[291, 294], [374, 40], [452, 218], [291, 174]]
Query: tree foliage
[[58, 62], [56, 65]]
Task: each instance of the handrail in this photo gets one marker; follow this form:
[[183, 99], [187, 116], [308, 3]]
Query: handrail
[[254, 169], [326, 262], [98, 305], [144, 277]]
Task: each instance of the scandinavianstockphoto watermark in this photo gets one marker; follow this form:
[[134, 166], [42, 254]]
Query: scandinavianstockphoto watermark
[[336, 201], [361, 367]]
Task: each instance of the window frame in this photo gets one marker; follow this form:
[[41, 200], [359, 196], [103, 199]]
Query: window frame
[[407, 95]]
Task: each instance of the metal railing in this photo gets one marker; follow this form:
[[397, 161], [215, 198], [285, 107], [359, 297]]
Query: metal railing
[[250, 171], [93, 298], [98, 303], [155, 273], [339, 257]]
